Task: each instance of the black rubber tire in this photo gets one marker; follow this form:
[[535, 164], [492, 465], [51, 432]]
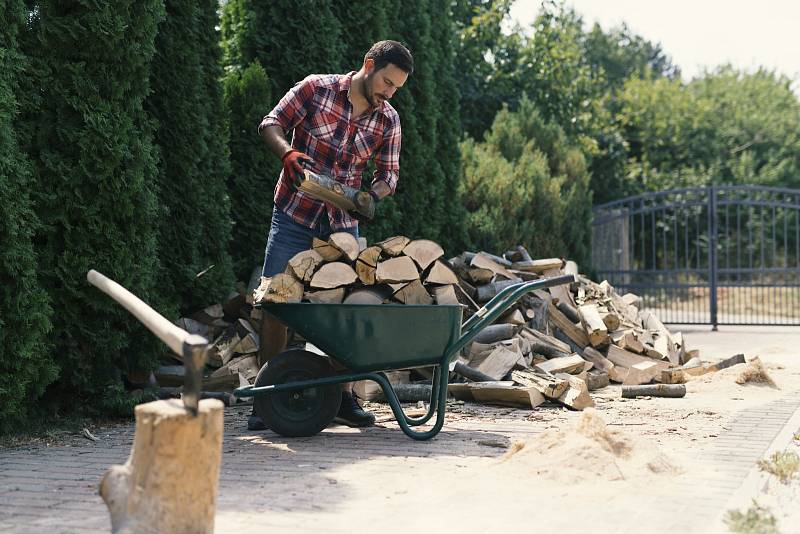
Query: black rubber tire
[[297, 413]]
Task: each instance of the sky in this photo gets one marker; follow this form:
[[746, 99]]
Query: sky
[[701, 34]]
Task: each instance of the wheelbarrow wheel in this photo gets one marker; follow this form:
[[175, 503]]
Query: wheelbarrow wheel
[[303, 412]]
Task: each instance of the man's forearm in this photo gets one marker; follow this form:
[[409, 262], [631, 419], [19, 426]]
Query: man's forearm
[[275, 140], [381, 189]]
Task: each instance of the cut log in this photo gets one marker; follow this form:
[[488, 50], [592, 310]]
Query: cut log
[[576, 397], [396, 270], [569, 311], [593, 325], [656, 390], [641, 373], [596, 379], [495, 332], [672, 376], [325, 296], [506, 394], [538, 266], [523, 254], [471, 373], [371, 295], [468, 256], [247, 366], [170, 480], [727, 362], [548, 385], [480, 276], [394, 245], [564, 364], [210, 316], [623, 358], [194, 327], [629, 342], [483, 261], [499, 362], [611, 320], [424, 252], [445, 295], [572, 331], [465, 299], [532, 334], [304, 264], [487, 292], [283, 288], [369, 390], [366, 265], [347, 243], [598, 360], [413, 293], [514, 317], [631, 299], [546, 349], [326, 250], [333, 275], [441, 274], [560, 293]]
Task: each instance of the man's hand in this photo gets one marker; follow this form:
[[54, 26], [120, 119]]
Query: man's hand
[[365, 202], [293, 162]]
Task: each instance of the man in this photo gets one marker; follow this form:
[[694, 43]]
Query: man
[[338, 123]]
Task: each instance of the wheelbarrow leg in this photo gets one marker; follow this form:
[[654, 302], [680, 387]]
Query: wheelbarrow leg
[[432, 404], [439, 394]]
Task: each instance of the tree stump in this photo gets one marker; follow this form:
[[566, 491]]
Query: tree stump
[[169, 483]]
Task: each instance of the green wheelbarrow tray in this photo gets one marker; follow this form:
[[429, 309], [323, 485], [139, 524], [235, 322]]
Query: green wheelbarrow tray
[[366, 339]]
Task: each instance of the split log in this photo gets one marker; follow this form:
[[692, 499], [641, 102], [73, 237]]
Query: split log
[[629, 342], [326, 250], [495, 332], [394, 245], [506, 394], [480, 276], [598, 360], [333, 275], [538, 266], [564, 364], [623, 358], [347, 243], [611, 320], [211, 316], [282, 288], [234, 305], [593, 325], [560, 293], [469, 256], [441, 274], [548, 385], [523, 254], [370, 390], [175, 491], [464, 298], [325, 296], [413, 293], [560, 321], [533, 334], [576, 396], [304, 264], [569, 311], [194, 327], [631, 299], [424, 252], [727, 362], [483, 261], [514, 317], [471, 373], [596, 379], [396, 270], [372, 295], [546, 349], [445, 295], [641, 373], [499, 362], [655, 390], [672, 376], [366, 265]]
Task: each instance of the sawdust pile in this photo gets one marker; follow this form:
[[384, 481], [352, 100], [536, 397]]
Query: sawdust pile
[[755, 373], [591, 451]]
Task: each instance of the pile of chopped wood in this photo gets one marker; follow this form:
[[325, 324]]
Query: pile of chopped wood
[[554, 344]]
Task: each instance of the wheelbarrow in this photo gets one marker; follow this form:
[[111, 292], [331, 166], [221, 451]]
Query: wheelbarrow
[[298, 392]]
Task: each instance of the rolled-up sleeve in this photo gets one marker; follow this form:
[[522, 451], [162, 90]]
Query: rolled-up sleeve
[[292, 107], [387, 161]]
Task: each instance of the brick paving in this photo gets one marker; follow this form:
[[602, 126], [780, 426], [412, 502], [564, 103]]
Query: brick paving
[[269, 483]]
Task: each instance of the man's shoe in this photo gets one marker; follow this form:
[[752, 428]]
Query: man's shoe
[[352, 414], [254, 422]]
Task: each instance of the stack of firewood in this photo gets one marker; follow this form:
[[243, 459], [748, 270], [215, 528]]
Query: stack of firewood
[[554, 344]]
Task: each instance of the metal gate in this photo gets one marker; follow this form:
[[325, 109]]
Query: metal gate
[[709, 255]]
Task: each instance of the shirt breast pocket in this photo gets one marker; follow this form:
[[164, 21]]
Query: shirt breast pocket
[[364, 144], [323, 125]]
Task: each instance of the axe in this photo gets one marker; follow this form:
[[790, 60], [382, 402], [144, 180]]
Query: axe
[[191, 348]]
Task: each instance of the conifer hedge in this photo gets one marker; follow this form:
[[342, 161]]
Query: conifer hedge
[[25, 364]]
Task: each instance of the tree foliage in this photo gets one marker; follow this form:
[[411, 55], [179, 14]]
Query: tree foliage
[[26, 366]]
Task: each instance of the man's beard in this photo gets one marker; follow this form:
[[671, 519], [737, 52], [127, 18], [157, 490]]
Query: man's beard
[[367, 90]]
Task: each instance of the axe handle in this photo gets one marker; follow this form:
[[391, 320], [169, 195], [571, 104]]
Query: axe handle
[[172, 335]]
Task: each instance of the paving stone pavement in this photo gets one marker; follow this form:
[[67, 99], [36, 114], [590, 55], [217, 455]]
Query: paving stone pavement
[[54, 489]]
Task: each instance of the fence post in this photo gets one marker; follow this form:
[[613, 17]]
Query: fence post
[[712, 253]]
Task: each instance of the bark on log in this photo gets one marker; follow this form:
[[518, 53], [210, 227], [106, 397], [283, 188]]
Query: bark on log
[[441, 274], [655, 390], [569, 310], [559, 320], [487, 292], [600, 362], [423, 252], [538, 266], [484, 261], [366, 264], [494, 333], [370, 295], [325, 296], [596, 379], [169, 483], [480, 276], [327, 251], [304, 264], [471, 373], [469, 256]]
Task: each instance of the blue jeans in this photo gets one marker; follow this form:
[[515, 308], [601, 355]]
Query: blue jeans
[[287, 238]]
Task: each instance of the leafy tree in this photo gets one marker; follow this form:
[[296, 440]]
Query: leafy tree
[[96, 178], [526, 184], [25, 364], [194, 228]]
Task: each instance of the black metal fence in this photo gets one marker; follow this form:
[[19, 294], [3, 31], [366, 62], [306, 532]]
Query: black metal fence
[[710, 255]]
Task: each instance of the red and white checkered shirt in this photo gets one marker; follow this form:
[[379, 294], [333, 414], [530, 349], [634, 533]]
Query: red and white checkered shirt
[[319, 112]]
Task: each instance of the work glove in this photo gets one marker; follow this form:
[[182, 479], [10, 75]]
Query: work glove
[[293, 162], [365, 202]]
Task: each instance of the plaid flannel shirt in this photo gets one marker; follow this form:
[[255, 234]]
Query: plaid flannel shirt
[[319, 112]]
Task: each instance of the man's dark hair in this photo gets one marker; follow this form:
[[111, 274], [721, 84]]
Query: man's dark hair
[[385, 52]]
